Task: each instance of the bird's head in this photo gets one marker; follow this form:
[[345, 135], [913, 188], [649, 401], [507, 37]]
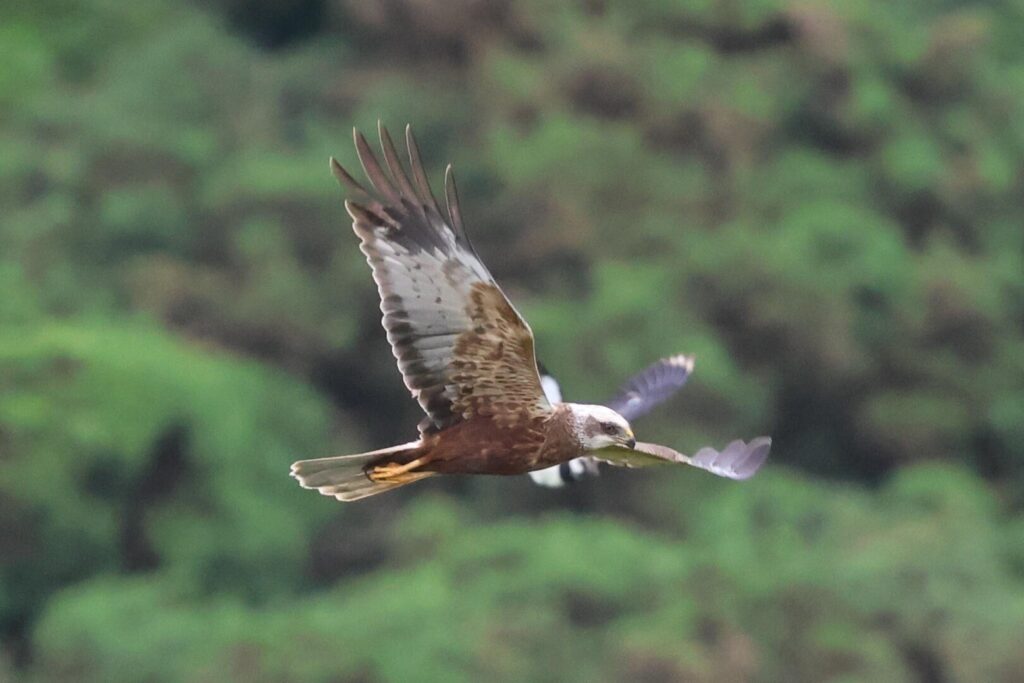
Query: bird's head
[[599, 427]]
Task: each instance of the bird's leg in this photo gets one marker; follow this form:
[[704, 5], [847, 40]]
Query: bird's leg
[[393, 471]]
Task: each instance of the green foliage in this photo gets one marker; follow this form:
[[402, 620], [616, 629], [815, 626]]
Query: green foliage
[[789, 580], [126, 449], [820, 200]]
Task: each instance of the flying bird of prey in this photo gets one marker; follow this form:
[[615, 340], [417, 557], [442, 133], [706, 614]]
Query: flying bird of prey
[[465, 353]]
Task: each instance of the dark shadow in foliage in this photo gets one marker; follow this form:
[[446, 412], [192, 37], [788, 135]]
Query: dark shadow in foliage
[[604, 92], [275, 24], [357, 542], [167, 468], [774, 32]]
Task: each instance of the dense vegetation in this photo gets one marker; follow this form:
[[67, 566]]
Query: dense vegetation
[[823, 201]]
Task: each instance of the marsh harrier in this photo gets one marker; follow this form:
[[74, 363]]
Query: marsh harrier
[[467, 356]]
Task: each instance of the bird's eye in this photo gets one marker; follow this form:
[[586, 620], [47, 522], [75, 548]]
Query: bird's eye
[[610, 429]]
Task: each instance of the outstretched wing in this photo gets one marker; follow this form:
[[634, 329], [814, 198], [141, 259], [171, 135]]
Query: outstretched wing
[[652, 386], [462, 349], [739, 460]]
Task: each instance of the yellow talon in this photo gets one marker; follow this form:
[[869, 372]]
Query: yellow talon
[[393, 472]]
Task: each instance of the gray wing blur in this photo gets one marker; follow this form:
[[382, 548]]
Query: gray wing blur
[[739, 460], [652, 386]]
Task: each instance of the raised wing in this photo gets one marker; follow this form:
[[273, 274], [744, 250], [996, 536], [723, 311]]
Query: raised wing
[[462, 349], [651, 386], [739, 460]]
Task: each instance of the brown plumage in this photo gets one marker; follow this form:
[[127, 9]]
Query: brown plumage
[[464, 352]]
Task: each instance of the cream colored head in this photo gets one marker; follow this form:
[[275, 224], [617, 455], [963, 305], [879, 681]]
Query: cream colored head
[[599, 427]]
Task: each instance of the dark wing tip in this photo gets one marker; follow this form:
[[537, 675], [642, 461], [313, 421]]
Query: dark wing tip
[[345, 178], [360, 214], [394, 164], [372, 168], [451, 195], [418, 174]]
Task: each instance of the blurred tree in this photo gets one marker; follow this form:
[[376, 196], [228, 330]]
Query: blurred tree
[[821, 200]]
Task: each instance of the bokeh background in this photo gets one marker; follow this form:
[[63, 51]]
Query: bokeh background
[[822, 200]]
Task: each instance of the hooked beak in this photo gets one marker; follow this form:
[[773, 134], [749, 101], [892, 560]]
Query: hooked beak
[[631, 441]]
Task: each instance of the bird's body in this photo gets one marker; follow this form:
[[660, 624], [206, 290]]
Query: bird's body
[[476, 446], [464, 352]]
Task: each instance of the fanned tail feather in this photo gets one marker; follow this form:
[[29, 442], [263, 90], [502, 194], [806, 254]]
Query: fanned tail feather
[[344, 476]]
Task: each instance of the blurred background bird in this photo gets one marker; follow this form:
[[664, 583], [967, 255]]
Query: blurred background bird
[[640, 394]]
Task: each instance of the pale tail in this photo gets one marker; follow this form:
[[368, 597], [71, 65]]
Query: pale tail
[[344, 476]]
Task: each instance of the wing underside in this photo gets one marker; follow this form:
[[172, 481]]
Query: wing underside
[[462, 349]]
